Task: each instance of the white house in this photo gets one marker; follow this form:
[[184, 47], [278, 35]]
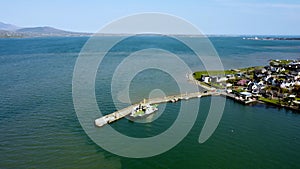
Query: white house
[[206, 79], [222, 79], [282, 85], [246, 95], [228, 85]]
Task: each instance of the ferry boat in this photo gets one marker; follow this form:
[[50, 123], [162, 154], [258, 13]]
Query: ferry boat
[[143, 110]]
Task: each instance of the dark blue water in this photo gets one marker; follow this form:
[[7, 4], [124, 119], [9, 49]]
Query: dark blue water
[[39, 127]]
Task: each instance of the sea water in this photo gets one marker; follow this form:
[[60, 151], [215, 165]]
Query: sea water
[[39, 127]]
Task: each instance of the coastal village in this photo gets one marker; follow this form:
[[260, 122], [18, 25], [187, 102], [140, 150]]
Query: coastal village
[[277, 83]]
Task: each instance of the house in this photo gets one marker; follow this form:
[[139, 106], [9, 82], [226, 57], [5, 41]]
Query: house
[[282, 85], [281, 76], [292, 97], [267, 67], [289, 76], [228, 85], [253, 87], [213, 79], [218, 79], [263, 70], [242, 82], [205, 79], [267, 78], [273, 69], [261, 83], [246, 95], [230, 76], [294, 66], [222, 79], [275, 64], [229, 91], [240, 74], [294, 73], [275, 82], [297, 103]]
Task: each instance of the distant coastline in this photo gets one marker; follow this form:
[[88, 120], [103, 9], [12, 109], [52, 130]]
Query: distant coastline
[[13, 31], [271, 38], [34, 32]]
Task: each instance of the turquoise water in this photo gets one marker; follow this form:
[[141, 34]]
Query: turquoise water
[[39, 127]]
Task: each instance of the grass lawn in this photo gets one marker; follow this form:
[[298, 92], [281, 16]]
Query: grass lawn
[[250, 68], [217, 85], [271, 101], [239, 90], [282, 62], [198, 74], [205, 84]]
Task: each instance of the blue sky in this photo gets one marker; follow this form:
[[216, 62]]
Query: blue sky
[[276, 17]]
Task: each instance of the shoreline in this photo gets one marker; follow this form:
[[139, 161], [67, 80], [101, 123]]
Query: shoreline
[[295, 110]]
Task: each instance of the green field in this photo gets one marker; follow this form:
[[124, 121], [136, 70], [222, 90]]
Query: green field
[[280, 62], [198, 74], [271, 101]]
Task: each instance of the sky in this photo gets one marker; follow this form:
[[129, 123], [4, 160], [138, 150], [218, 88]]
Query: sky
[[229, 17]]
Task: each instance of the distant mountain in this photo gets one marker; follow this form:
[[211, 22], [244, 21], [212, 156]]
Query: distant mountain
[[43, 30], [8, 27], [8, 30]]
